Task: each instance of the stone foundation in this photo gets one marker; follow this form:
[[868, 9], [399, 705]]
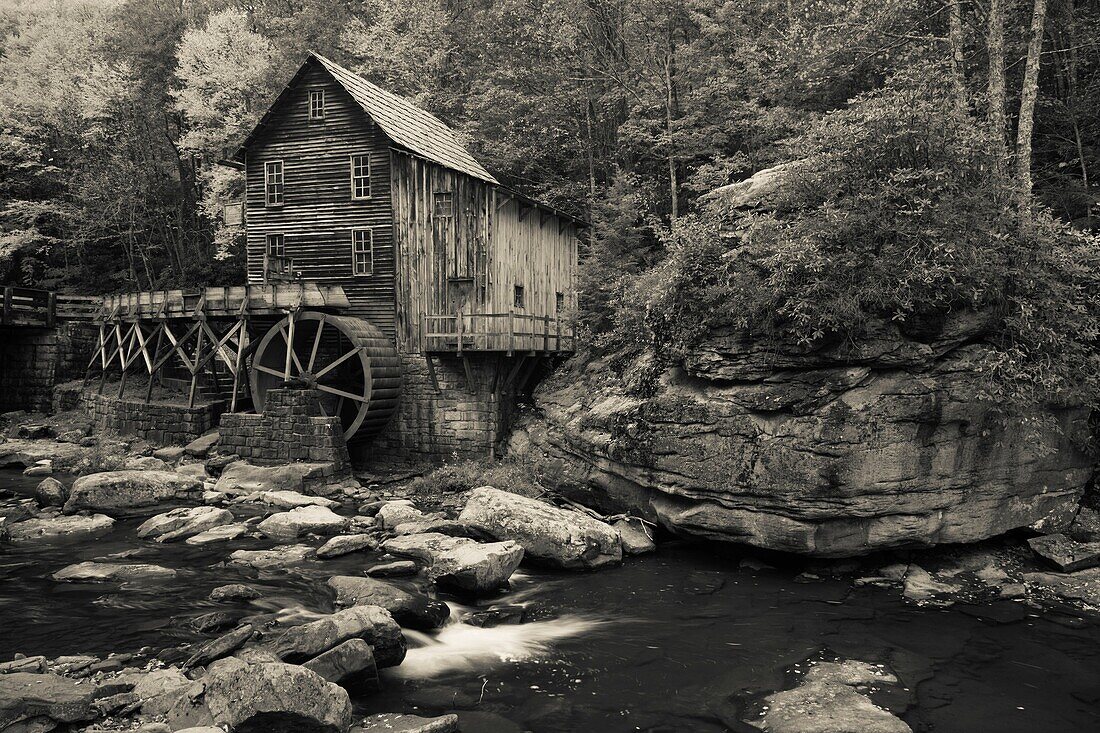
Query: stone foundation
[[291, 428], [161, 423], [33, 361], [448, 417]]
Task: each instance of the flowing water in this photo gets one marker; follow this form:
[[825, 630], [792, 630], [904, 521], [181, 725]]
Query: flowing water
[[682, 640]]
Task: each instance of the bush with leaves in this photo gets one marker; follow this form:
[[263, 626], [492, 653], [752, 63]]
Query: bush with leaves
[[895, 211]]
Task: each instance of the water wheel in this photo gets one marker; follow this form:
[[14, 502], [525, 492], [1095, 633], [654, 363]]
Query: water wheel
[[353, 365]]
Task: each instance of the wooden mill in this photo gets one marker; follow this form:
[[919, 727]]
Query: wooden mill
[[386, 268]]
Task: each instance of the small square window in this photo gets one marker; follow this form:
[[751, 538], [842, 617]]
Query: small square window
[[443, 203], [559, 303], [520, 299], [275, 245], [362, 252], [317, 104], [360, 176], [273, 183]]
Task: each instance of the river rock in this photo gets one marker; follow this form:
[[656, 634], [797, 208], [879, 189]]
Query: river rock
[[278, 557], [64, 457], [234, 592], [345, 544], [402, 723], [107, 572], [158, 688], [41, 468], [635, 536], [169, 454], [272, 697], [303, 520], [123, 490], [202, 445], [372, 624], [350, 665], [920, 586], [145, 463], [286, 499], [411, 610], [393, 569], [459, 562], [833, 450], [44, 530], [30, 703], [827, 701], [225, 533], [398, 511], [36, 665], [1066, 554], [1080, 587], [243, 477], [182, 523], [556, 537], [218, 648], [50, 492], [195, 471]]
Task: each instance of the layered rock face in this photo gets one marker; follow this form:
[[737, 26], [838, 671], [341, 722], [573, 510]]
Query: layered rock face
[[833, 451]]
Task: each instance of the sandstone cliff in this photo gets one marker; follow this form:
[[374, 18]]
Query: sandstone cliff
[[832, 451]]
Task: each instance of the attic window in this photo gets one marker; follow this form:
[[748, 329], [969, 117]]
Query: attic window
[[317, 104], [443, 203], [273, 183], [360, 176]]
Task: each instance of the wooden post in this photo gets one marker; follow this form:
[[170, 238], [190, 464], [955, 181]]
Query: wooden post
[[511, 331], [546, 333], [559, 330], [458, 330], [7, 304], [51, 309]]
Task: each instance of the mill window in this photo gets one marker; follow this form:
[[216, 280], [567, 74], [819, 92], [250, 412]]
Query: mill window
[[520, 297], [317, 104], [443, 203], [559, 303], [362, 252], [275, 245], [360, 176], [273, 182]]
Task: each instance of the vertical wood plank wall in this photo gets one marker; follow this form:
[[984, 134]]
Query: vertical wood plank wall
[[438, 264], [318, 213]]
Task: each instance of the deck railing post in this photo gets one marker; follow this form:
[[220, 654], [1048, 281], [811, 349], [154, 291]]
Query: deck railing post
[[51, 309], [546, 333], [458, 330], [7, 304], [511, 331]]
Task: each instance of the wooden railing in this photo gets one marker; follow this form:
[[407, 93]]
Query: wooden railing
[[278, 269], [32, 307], [508, 332]]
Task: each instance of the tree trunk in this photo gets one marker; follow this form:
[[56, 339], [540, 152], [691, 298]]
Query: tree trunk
[[670, 111], [957, 38], [1028, 94], [996, 43]]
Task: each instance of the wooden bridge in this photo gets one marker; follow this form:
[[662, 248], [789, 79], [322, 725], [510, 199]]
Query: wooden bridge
[[35, 308]]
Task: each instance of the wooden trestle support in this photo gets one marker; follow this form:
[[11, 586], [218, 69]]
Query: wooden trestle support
[[227, 334]]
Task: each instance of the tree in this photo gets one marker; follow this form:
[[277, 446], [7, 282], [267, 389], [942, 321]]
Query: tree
[[1029, 92]]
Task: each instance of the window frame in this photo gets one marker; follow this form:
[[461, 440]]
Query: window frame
[[282, 244], [559, 302], [315, 94], [369, 176], [519, 297], [355, 252], [268, 183], [450, 204]]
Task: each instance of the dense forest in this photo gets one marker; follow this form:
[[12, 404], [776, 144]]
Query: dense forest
[[951, 149]]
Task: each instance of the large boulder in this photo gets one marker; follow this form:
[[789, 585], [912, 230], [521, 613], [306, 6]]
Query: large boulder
[[460, 562], [303, 520], [555, 537], [350, 664], [40, 702], [180, 524], [47, 530], [372, 624], [112, 491], [832, 452], [50, 492], [412, 610], [242, 477], [273, 697]]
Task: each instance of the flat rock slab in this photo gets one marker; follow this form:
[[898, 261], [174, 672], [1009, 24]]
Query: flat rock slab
[[459, 562], [279, 557], [106, 572], [346, 544], [303, 520], [350, 664], [218, 648], [33, 697], [411, 610], [234, 592], [225, 533], [122, 490], [556, 537], [1066, 554], [242, 477], [400, 723], [183, 523], [62, 456], [635, 537], [372, 624], [286, 499], [920, 586], [202, 445], [393, 569], [59, 529]]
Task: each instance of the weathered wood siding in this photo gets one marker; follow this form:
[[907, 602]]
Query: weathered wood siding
[[474, 258], [318, 213]]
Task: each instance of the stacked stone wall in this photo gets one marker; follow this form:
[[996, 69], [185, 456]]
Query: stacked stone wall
[[291, 428], [33, 361], [162, 423]]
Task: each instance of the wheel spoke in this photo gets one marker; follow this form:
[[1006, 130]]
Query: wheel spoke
[[316, 343], [342, 393], [268, 370], [338, 362], [290, 348]]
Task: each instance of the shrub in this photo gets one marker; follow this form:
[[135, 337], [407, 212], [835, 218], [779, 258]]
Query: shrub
[[506, 475]]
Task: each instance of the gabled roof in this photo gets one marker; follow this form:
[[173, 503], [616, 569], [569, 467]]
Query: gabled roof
[[403, 122]]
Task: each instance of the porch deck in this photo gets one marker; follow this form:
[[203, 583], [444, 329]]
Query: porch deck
[[504, 332]]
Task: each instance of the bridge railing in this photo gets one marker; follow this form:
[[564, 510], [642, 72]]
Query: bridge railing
[[36, 308]]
